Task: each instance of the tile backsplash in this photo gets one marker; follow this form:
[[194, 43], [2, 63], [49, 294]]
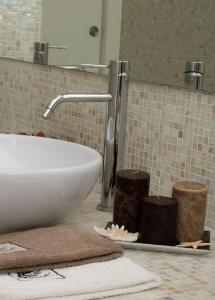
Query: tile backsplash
[[170, 132]]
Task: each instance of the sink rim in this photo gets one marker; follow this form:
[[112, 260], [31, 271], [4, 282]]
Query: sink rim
[[95, 160]]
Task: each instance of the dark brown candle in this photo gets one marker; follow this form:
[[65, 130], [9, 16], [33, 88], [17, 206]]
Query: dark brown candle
[[158, 220], [131, 186]]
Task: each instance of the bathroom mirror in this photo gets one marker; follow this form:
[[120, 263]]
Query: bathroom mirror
[[60, 32], [167, 41], [164, 38]]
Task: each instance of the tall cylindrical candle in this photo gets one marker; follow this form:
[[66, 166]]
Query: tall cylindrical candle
[[191, 198], [158, 220], [131, 186]]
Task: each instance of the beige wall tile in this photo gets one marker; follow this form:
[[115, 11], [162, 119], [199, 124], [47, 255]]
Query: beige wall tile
[[170, 132]]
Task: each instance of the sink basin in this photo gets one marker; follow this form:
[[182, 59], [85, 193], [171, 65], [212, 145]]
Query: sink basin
[[42, 180]]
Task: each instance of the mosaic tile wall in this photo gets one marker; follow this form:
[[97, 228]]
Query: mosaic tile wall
[[20, 22], [170, 132]]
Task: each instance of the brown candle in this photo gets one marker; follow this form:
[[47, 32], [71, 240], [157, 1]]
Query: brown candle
[[191, 198], [158, 220], [131, 186]]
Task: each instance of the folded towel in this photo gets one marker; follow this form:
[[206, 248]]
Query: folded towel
[[92, 281], [53, 247]]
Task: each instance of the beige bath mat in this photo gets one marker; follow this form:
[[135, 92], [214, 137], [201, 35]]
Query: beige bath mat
[[53, 247]]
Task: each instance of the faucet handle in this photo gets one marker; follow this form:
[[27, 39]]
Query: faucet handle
[[43, 47]]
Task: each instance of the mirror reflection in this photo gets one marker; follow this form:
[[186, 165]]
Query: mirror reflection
[[163, 39], [166, 41], [60, 32]]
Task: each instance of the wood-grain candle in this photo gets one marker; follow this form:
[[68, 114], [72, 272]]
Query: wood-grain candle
[[191, 198]]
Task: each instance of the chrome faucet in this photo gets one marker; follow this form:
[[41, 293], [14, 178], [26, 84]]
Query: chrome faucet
[[114, 140], [41, 52]]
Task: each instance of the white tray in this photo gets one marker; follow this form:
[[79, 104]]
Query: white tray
[[161, 248]]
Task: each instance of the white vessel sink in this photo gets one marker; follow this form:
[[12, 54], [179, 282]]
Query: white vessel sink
[[42, 180]]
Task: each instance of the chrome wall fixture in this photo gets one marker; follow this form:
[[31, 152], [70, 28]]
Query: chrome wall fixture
[[41, 52], [114, 140], [194, 74]]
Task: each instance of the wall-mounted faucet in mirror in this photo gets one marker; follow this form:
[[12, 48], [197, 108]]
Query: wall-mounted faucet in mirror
[[159, 37]]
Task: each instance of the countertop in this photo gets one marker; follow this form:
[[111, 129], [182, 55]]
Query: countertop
[[184, 276]]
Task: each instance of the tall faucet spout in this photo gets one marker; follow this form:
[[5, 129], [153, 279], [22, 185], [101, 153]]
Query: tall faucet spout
[[75, 98], [114, 138]]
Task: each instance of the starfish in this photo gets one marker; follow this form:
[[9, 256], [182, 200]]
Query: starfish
[[194, 245]]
